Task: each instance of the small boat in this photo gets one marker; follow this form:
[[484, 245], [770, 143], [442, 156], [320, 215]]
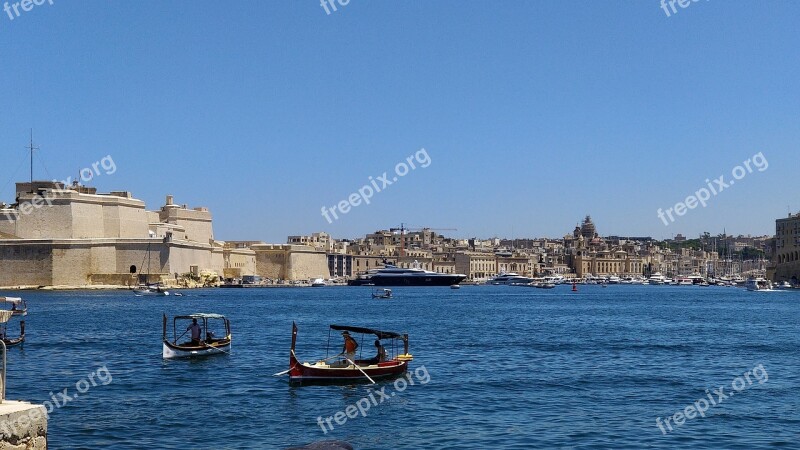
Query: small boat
[[346, 370], [5, 317], [149, 290], [18, 305], [758, 284], [208, 344], [382, 293], [177, 294], [455, 286], [319, 282], [783, 286]]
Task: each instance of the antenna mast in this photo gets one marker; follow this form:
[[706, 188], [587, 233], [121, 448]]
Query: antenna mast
[[32, 148]]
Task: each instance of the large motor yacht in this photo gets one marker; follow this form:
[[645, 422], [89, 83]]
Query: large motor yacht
[[391, 275]]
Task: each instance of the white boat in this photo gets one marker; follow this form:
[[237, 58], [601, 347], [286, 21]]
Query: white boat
[[319, 282], [149, 290], [455, 286], [758, 284], [207, 345], [509, 278], [613, 279], [657, 279], [783, 286], [684, 281]]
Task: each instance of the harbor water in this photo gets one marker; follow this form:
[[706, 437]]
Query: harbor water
[[494, 367]]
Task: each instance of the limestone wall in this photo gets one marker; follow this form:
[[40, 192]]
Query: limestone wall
[[29, 265], [196, 222], [270, 262], [308, 265]]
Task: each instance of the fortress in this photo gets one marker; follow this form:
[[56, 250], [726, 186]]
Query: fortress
[[57, 235]]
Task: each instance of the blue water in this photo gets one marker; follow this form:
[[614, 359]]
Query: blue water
[[507, 367]]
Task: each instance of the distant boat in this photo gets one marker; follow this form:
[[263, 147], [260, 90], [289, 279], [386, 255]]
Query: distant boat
[[382, 293], [758, 284], [508, 278], [455, 286], [150, 290], [319, 282], [391, 275], [657, 279]]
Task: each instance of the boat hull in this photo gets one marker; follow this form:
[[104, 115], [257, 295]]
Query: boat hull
[[378, 280], [172, 351], [13, 342], [305, 373], [149, 293]]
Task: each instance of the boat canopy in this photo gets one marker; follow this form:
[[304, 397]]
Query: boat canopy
[[14, 300], [379, 334], [201, 316]]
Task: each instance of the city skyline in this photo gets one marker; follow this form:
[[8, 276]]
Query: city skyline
[[524, 139]]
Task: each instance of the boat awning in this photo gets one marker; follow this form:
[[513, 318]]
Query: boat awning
[[380, 334], [14, 300], [201, 316]]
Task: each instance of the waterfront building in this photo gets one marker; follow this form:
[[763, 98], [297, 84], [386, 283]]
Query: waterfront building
[[477, 266], [785, 261]]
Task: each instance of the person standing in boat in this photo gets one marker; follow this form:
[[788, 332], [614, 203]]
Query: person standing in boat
[[196, 330], [350, 346]]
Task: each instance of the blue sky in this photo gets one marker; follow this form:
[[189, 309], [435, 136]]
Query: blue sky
[[533, 113]]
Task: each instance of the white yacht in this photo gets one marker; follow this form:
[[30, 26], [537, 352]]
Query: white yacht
[[657, 279], [758, 284], [509, 278], [613, 279]]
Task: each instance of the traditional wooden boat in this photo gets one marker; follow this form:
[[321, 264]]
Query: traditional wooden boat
[[344, 370], [382, 293], [207, 345], [10, 341], [18, 306]]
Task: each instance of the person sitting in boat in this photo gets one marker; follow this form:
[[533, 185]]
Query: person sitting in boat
[[381, 356], [196, 330], [209, 337], [350, 346]]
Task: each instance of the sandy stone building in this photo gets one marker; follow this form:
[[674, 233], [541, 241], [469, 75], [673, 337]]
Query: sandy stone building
[[56, 235]]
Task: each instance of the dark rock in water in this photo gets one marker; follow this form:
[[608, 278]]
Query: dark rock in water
[[325, 445]]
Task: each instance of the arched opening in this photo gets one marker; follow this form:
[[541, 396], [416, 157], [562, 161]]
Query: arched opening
[[133, 269]]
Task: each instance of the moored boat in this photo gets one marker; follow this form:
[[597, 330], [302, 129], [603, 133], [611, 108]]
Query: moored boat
[[350, 370], [391, 275], [204, 343], [5, 317], [147, 290], [18, 306]]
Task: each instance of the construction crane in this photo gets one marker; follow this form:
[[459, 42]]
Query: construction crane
[[403, 228]]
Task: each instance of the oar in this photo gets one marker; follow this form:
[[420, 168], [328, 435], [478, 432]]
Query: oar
[[359, 369], [284, 372], [215, 348]]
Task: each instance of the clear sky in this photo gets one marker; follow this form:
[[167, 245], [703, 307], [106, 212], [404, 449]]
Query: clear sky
[[533, 113]]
